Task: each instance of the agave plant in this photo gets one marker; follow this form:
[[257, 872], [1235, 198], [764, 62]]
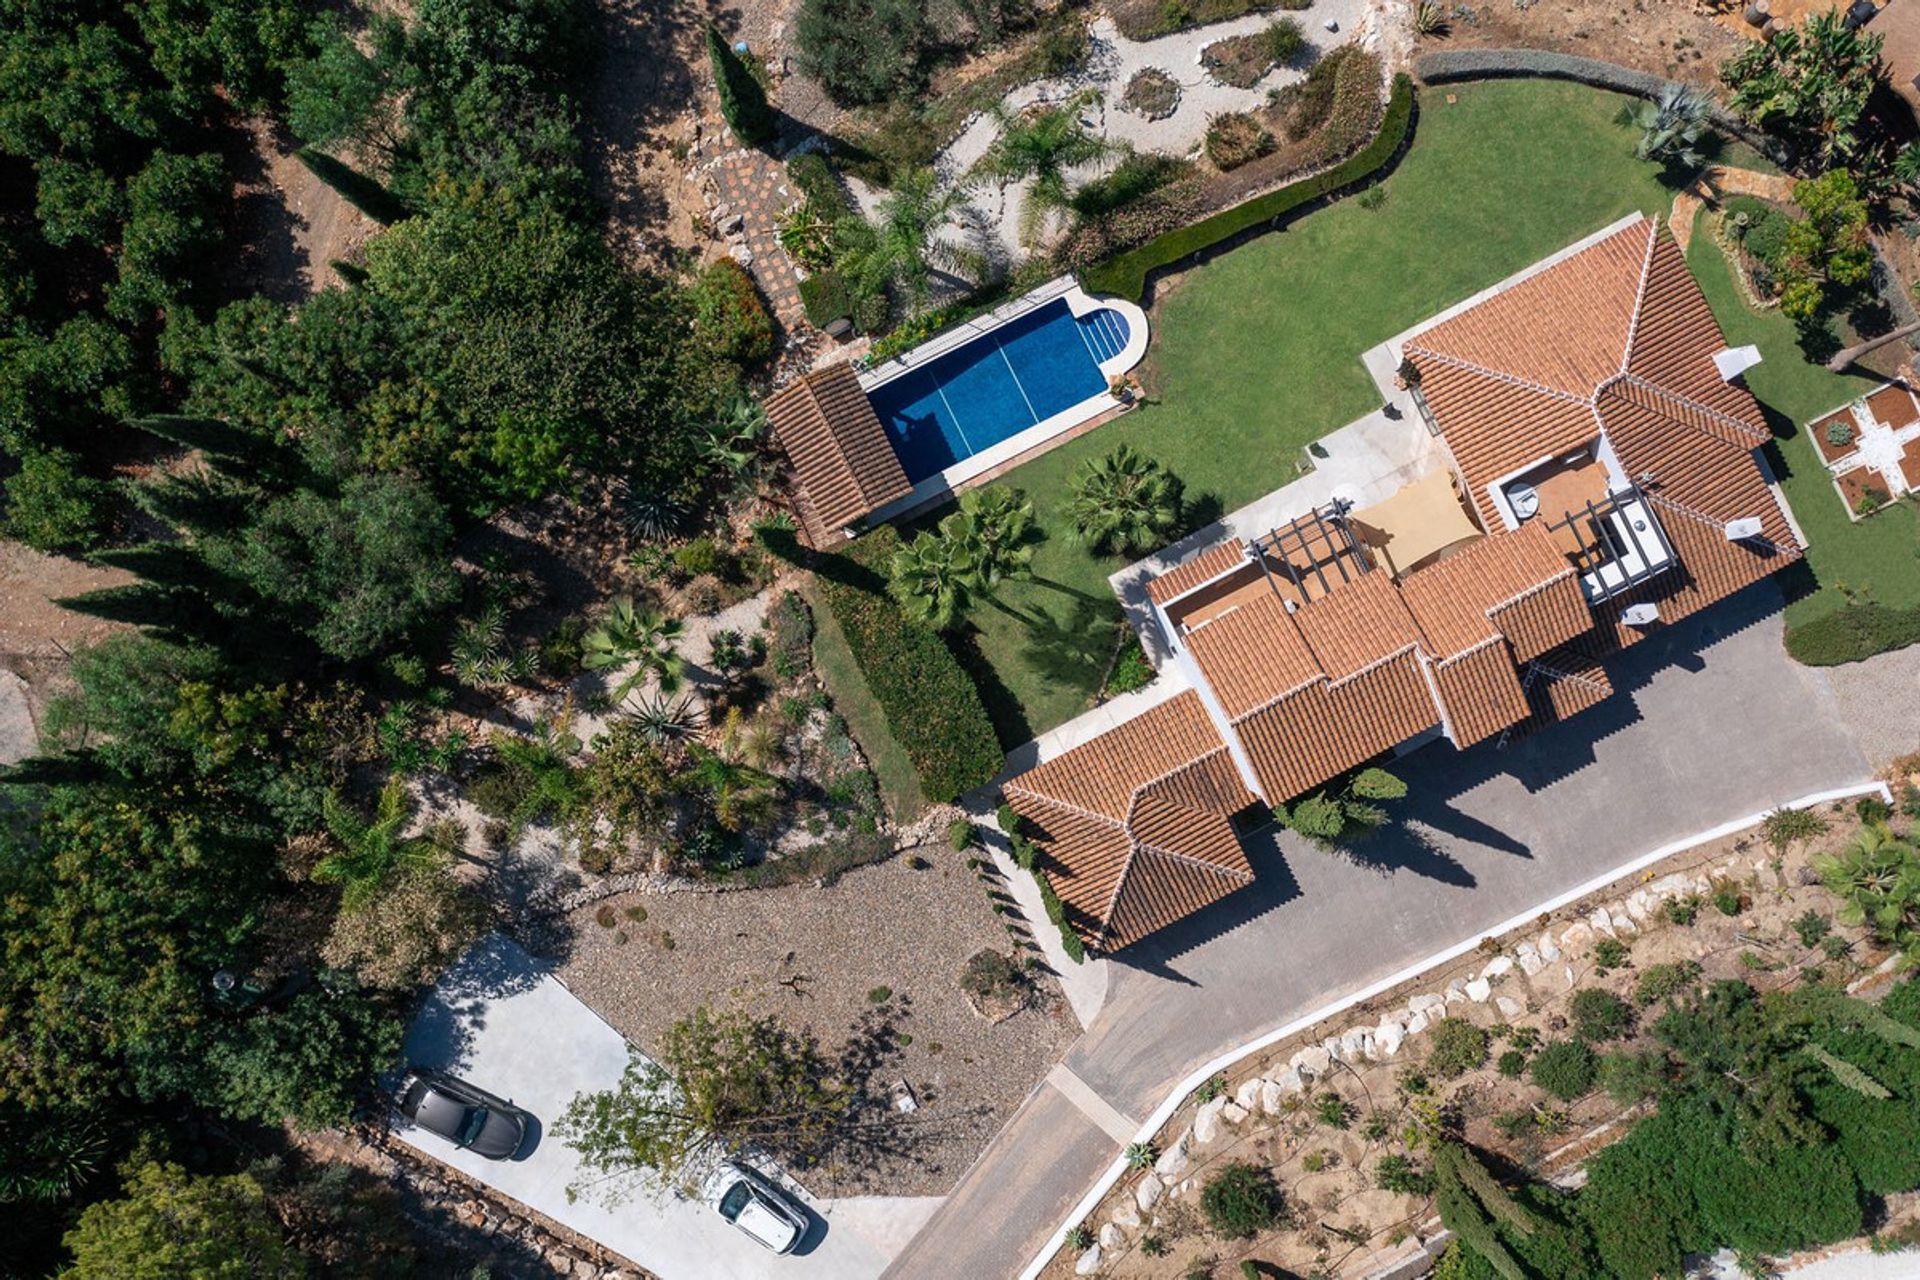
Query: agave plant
[[1124, 503], [642, 638], [733, 438], [1671, 126], [1430, 18], [806, 236], [663, 722], [650, 516], [369, 851]]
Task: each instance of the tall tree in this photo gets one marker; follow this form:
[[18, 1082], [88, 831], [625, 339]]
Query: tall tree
[[1124, 503], [742, 101], [1042, 144], [904, 246], [169, 1223]]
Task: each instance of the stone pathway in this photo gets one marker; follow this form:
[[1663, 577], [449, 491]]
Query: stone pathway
[[1718, 182], [749, 192]]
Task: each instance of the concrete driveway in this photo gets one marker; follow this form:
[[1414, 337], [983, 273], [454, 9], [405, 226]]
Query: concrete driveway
[[1710, 721], [499, 1020]]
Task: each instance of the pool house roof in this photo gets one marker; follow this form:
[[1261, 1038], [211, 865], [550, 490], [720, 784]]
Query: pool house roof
[[1310, 654], [842, 463]]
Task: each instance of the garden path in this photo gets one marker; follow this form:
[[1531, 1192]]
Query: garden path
[[749, 193]]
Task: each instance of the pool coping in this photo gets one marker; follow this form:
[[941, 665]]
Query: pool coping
[[1028, 441]]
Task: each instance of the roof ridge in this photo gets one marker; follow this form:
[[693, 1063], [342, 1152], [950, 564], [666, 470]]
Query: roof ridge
[[1510, 379], [1639, 299], [1555, 673], [1244, 877], [1080, 809], [1133, 801], [1411, 646], [1496, 638], [1640, 380], [1701, 517]]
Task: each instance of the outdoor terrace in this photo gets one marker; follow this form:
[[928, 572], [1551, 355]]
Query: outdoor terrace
[[1299, 562]]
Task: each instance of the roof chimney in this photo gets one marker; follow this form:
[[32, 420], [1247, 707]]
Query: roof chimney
[[1744, 527], [1734, 361]]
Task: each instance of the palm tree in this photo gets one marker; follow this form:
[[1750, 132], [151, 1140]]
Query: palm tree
[[643, 637], [904, 246], [995, 524], [369, 850], [1670, 126], [1124, 503], [733, 437], [934, 578], [1043, 145], [1877, 876], [742, 795]]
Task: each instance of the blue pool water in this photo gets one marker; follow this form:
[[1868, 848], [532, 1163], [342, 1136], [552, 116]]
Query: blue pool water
[[997, 385]]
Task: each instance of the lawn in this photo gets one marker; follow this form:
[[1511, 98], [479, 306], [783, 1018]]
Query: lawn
[[1873, 558], [1258, 352]]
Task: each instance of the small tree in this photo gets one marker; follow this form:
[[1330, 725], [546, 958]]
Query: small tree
[[742, 101], [723, 1082], [1457, 1047], [370, 850], [934, 578], [1043, 144], [1809, 84], [1671, 126], [1242, 1200], [169, 1223], [1124, 503], [1352, 810], [1564, 1069]]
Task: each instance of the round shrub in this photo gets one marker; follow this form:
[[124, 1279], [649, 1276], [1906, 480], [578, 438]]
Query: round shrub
[[1234, 138], [1458, 1047], [1151, 93], [1241, 1201], [960, 834], [1661, 981], [1599, 1015], [728, 317], [1513, 1064], [1564, 1069]]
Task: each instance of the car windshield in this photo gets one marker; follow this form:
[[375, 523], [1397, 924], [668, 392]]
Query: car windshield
[[735, 1200], [470, 1129]]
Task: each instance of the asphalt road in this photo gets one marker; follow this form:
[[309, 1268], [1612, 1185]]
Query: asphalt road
[[1710, 721]]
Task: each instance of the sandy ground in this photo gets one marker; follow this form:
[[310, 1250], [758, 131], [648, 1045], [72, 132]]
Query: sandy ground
[[288, 226], [1666, 37], [37, 636]]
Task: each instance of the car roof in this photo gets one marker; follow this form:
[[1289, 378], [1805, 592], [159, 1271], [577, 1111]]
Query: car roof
[[760, 1221], [440, 1111]]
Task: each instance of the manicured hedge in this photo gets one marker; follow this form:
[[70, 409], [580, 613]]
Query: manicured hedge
[[827, 297], [931, 703], [1852, 634], [1447, 65], [1126, 275]]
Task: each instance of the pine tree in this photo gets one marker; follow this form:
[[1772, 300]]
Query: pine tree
[[742, 101]]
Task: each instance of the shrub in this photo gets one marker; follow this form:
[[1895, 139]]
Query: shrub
[[743, 103], [862, 51], [1457, 1047], [880, 995], [50, 505], [1333, 1110], [931, 703], [1599, 1015], [1682, 910], [827, 296], [1811, 927], [1131, 671], [988, 973], [960, 834], [1564, 1069], [1853, 633], [1235, 138], [790, 631], [1151, 93], [1608, 954], [1512, 1064], [1664, 981], [1008, 820], [1241, 1201], [1141, 1155], [1078, 1238], [1399, 1174], [1057, 912], [1137, 176], [1727, 900], [1126, 275], [1629, 1077], [728, 317], [702, 557], [1284, 40]]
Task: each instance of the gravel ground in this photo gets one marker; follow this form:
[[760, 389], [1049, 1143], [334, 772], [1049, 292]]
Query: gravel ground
[[817, 957], [1877, 698]]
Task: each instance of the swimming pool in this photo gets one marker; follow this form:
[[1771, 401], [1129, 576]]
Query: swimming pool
[[1033, 368]]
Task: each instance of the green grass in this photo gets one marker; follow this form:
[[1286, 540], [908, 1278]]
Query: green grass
[[847, 685], [1258, 352], [1874, 558]]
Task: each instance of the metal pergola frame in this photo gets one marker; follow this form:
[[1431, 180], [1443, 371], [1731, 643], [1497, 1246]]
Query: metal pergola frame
[[1592, 515], [1330, 528]]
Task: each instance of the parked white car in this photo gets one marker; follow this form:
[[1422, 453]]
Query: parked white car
[[755, 1204]]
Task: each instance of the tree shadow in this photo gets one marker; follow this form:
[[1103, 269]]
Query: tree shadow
[[442, 1033], [1072, 648], [639, 88]]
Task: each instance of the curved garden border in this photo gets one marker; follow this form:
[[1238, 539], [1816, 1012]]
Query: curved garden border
[[1445, 66], [1125, 275]]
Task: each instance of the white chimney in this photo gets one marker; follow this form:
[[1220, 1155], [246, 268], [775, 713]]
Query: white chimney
[[1734, 361], [1744, 527]]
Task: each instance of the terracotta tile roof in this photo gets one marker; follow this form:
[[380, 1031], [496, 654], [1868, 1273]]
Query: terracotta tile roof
[[1357, 625], [1322, 730], [1205, 567], [1561, 684], [841, 459], [1135, 823], [1541, 619], [1481, 692], [1511, 426], [1253, 655], [1675, 338], [1452, 598]]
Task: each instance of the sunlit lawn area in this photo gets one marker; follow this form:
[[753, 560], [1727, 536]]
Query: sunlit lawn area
[[1257, 353], [1874, 557]]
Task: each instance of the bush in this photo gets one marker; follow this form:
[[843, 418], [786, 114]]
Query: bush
[[1400, 1175], [1512, 1064], [1235, 138], [1564, 1069], [1457, 1047], [743, 103], [50, 505], [728, 316], [1599, 1015], [1126, 275], [827, 297], [1131, 671], [1284, 40], [790, 628], [1727, 900], [1811, 927], [1333, 1111], [1852, 634], [1629, 1077], [1660, 982], [1135, 177], [1241, 1201], [862, 51], [960, 834], [1682, 910], [932, 705], [1609, 954], [990, 973], [1008, 820]]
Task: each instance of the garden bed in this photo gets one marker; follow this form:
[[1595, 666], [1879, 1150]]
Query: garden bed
[[880, 951], [1864, 491], [1492, 1040]]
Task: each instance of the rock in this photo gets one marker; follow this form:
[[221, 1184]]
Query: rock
[[741, 254], [1431, 1005], [1112, 1237], [1173, 1161], [1577, 938], [1529, 958], [1148, 1193], [1311, 1061], [1498, 967], [1417, 1022], [1622, 922], [1478, 990], [1234, 1113], [1639, 907], [585, 1270], [731, 225], [1601, 921], [1275, 1092], [1388, 1037], [1457, 991], [561, 1261], [1206, 1122], [1126, 1217], [1248, 1094], [1354, 1044], [1509, 1007], [1549, 949], [1676, 885], [1089, 1262], [1331, 25]]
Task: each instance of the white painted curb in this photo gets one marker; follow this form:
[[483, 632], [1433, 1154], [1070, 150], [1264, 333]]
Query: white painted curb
[[1201, 1075]]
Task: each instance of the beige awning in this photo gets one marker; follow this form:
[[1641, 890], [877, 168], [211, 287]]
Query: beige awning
[[1416, 524]]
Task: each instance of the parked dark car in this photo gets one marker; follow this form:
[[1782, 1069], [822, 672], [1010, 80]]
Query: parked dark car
[[464, 1114]]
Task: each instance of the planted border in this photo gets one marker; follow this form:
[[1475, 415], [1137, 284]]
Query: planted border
[[931, 704], [1126, 275]]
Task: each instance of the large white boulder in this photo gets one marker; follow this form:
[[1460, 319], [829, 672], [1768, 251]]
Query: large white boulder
[[1601, 921], [1173, 1161], [1247, 1096], [1529, 958], [1388, 1037], [1127, 1216], [1433, 1006], [1089, 1262], [1509, 1007], [1354, 1044], [1275, 1092], [1311, 1061], [1478, 990], [1148, 1193], [1549, 949], [1576, 937], [1233, 1113], [1112, 1237], [1206, 1122], [1498, 967]]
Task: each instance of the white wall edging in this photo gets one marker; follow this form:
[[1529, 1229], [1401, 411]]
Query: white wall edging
[[1201, 1075]]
